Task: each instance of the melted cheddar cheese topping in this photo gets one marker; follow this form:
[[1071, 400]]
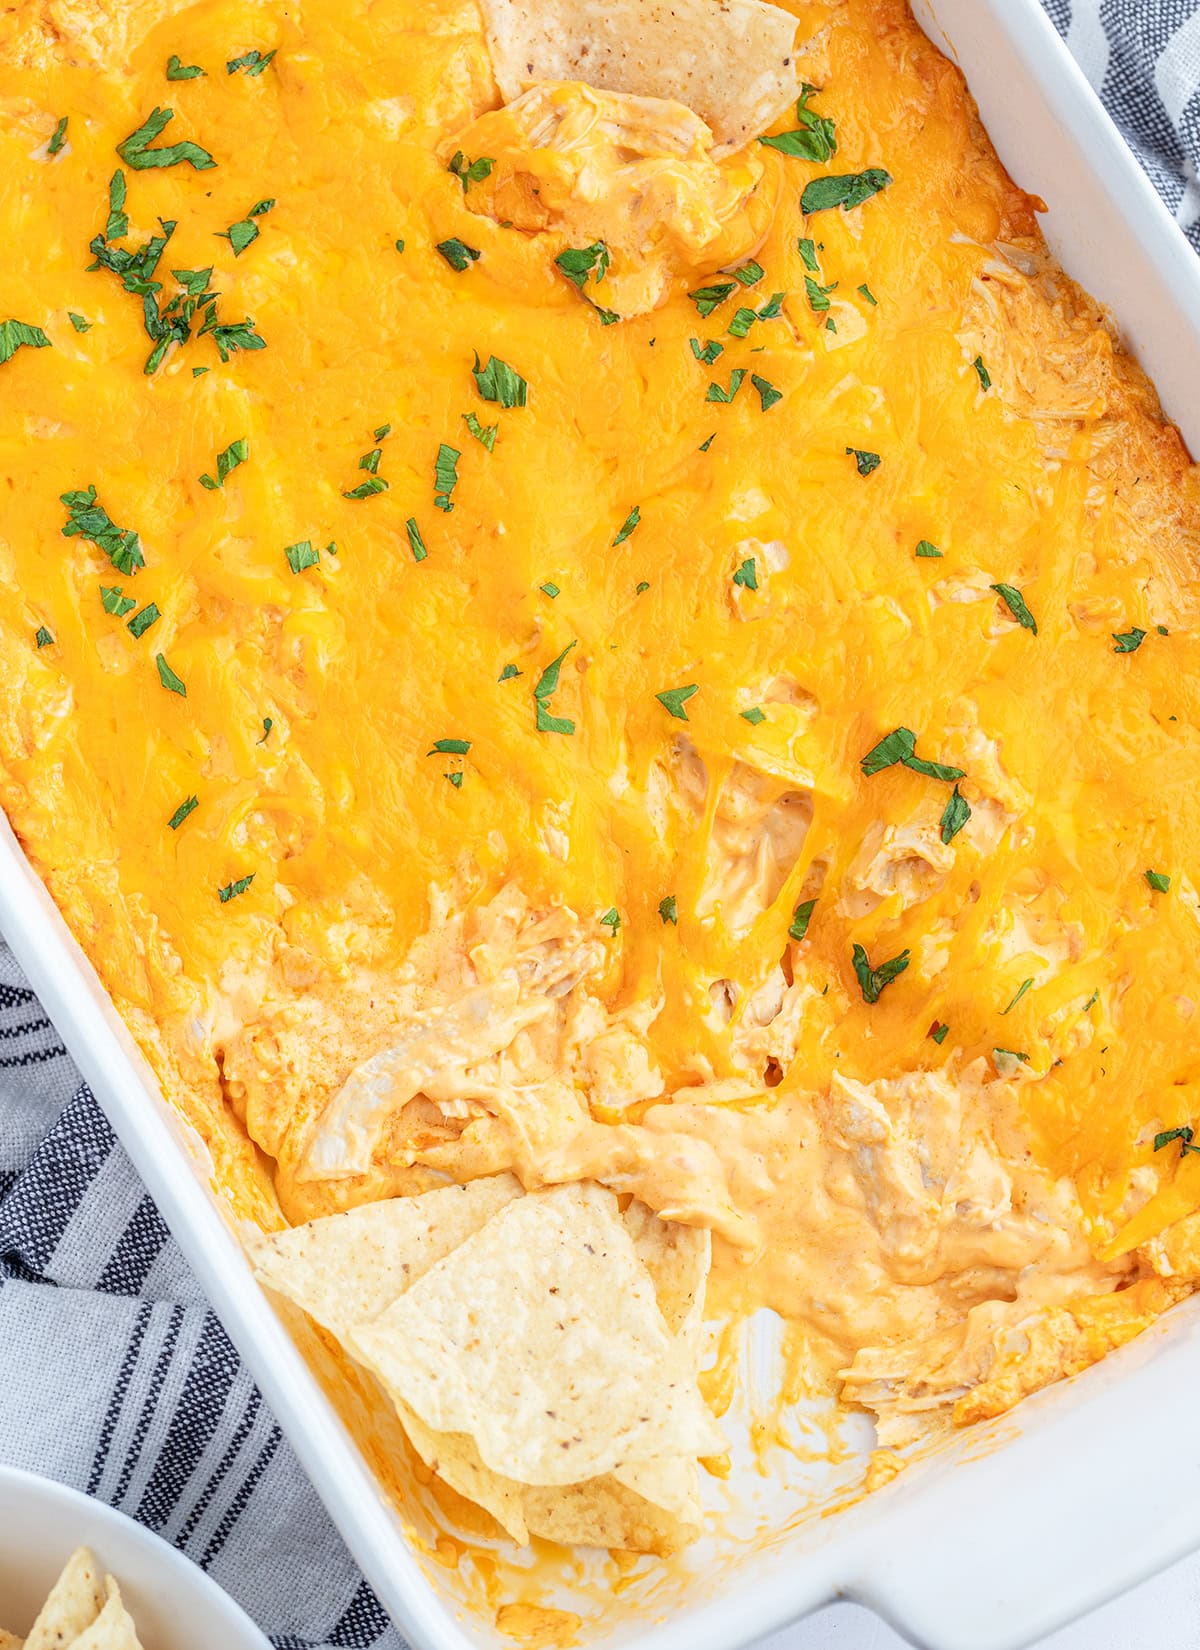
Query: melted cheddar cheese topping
[[486, 787]]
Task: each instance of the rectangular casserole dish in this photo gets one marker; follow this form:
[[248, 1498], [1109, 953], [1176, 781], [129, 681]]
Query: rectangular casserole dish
[[1014, 1527]]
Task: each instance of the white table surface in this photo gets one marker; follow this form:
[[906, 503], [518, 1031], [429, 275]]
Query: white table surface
[[1161, 1614]]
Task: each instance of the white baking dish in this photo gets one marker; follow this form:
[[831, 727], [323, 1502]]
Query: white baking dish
[[1015, 1527]]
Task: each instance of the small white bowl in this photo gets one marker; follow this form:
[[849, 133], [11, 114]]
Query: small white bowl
[[175, 1605]]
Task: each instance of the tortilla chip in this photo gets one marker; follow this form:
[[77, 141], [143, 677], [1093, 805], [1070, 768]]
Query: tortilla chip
[[606, 1513], [540, 1336], [345, 1269], [678, 1259], [10, 1641], [75, 1601], [732, 61], [112, 1629]]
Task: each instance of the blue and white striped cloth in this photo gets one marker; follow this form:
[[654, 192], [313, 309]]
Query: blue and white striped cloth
[[114, 1375]]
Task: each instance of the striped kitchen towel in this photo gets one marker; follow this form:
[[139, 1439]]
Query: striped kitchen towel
[[115, 1376]]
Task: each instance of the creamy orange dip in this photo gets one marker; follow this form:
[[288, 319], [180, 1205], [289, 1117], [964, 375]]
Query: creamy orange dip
[[719, 719]]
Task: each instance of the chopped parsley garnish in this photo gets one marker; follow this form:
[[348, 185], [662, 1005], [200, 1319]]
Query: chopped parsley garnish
[[807, 249], [674, 699], [985, 378], [939, 1031], [1185, 1136], [449, 747], [167, 676], [847, 192], [1092, 1001], [707, 298], [415, 542], [15, 334], [233, 337], [866, 462], [368, 488], [251, 63], [749, 273], [383, 431], [240, 235], [667, 910], [924, 548], [507, 674], [135, 150], [818, 295], [59, 138], [445, 476], [42, 637], [400, 246], [814, 138], [457, 253], [302, 555], [640, 587], [1024, 987], [709, 352], [484, 433], [899, 746], [1015, 603], [627, 526], [544, 689], [236, 453], [455, 779], [470, 171], [754, 715], [118, 219], [182, 71], [91, 521], [768, 395], [611, 919], [716, 393], [268, 724], [498, 382], [550, 589], [747, 574], [801, 917], [114, 601], [231, 890], [873, 980], [743, 320], [141, 622], [954, 816], [79, 322], [868, 294], [578, 262], [1159, 881], [1128, 641], [182, 811], [705, 445]]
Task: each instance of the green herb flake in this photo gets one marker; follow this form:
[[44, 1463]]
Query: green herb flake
[[550, 589], [708, 298], [231, 890], [167, 676], [1015, 603], [866, 462], [302, 555], [415, 542], [544, 689], [42, 637], [985, 378], [59, 138], [484, 433], [267, 724], [818, 295], [708, 354], [90, 521], [368, 488], [934, 770], [716, 393], [872, 981], [640, 587], [801, 917], [182, 811], [899, 746], [1184, 1135], [78, 322], [808, 251], [236, 453], [114, 601], [250, 63], [578, 262], [118, 220], [743, 320], [135, 150], [141, 622], [668, 911], [177, 70], [500, 383], [229, 337], [954, 816], [814, 138], [847, 191], [1159, 881], [445, 477], [239, 235], [768, 395], [1024, 987], [399, 246], [611, 919], [747, 574], [939, 1031], [866, 292], [754, 715], [449, 747], [458, 254], [455, 779], [1092, 1001], [924, 548], [15, 335], [1162, 630], [507, 674], [470, 171], [674, 699], [1128, 641], [705, 445], [628, 525]]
